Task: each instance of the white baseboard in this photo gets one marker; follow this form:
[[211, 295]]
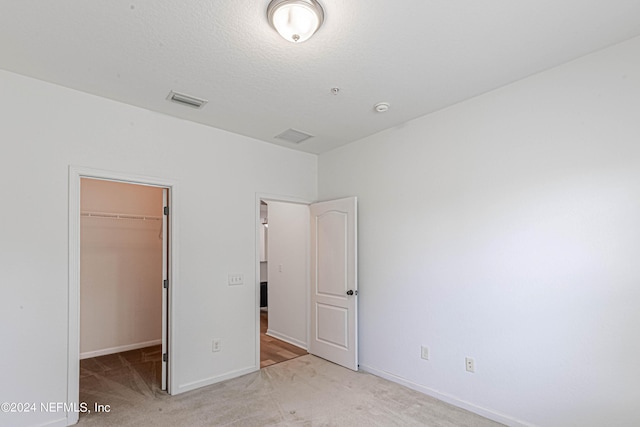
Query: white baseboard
[[118, 349], [487, 413], [213, 380], [288, 339]]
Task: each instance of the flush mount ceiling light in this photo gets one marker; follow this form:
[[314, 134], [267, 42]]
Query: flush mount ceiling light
[[295, 20]]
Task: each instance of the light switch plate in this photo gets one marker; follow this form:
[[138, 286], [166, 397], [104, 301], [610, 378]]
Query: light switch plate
[[236, 279]]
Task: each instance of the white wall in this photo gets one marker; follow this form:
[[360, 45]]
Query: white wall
[[507, 228], [264, 254], [121, 268], [288, 242], [46, 128], [264, 276]]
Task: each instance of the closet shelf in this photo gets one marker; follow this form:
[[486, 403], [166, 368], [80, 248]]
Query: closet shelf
[[110, 215]]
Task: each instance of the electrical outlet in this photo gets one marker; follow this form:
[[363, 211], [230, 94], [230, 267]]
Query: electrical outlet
[[216, 346], [424, 352], [236, 279], [470, 364]]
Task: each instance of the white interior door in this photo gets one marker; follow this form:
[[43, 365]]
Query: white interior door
[[334, 282], [165, 283]]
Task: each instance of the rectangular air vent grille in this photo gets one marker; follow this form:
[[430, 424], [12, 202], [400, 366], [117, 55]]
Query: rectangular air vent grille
[[188, 100], [293, 135]]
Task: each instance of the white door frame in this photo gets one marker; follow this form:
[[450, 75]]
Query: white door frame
[[73, 355], [267, 197]]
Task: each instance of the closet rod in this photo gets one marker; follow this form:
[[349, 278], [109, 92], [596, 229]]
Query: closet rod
[[120, 216]]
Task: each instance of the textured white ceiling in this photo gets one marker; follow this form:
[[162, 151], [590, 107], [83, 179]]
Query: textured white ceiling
[[418, 55]]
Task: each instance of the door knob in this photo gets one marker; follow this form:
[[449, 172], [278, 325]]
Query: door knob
[[350, 292]]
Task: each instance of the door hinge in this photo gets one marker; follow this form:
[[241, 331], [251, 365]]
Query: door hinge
[[165, 284], [165, 357], [166, 210]]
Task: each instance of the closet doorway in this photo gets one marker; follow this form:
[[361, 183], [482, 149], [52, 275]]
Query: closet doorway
[[122, 268], [121, 242]]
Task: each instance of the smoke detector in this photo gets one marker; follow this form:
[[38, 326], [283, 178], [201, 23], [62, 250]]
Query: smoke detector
[[381, 107]]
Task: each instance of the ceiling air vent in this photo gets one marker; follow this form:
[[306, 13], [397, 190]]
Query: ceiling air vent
[[292, 135], [188, 100]]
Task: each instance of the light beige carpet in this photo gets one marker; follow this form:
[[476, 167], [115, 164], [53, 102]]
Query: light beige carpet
[[306, 391]]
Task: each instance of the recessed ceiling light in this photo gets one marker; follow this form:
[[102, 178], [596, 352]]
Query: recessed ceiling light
[[381, 107], [295, 20]]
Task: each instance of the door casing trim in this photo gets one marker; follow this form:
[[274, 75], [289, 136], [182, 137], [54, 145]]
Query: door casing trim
[[76, 173]]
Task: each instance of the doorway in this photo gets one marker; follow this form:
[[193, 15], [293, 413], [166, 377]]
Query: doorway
[[161, 226], [122, 251], [312, 276], [282, 248]]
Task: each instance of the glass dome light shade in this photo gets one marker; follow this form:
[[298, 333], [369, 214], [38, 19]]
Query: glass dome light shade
[[295, 20]]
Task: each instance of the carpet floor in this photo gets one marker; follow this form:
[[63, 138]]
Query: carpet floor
[[306, 391]]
